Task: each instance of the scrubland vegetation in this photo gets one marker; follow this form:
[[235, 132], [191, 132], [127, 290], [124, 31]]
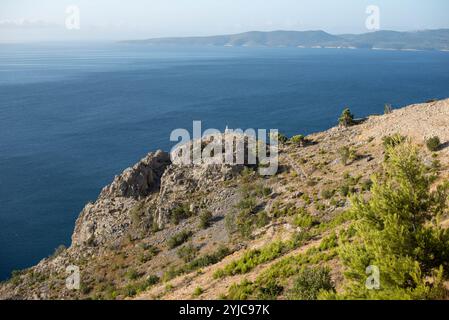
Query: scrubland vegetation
[[337, 212]]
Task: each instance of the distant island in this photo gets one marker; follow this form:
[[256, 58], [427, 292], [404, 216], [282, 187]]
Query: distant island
[[382, 40]]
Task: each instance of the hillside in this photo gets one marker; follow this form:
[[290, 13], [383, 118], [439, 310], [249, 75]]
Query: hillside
[[165, 231], [418, 40]]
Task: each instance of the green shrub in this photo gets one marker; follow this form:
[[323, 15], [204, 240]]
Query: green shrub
[[320, 206], [109, 292], [281, 138], [327, 193], [253, 258], [198, 263], [261, 191], [205, 219], [230, 222], [147, 247], [346, 119], [269, 291], [149, 251], [247, 175], [144, 257], [433, 144], [187, 253], [198, 291], [393, 140], [136, 213], [130, 290], [350, 180], [346, 190], [388, 108], [208, 259], [298, 140], [179, 239], [347, 154], [366, 185], [310, 282], [15, 277], [267, 191], [133, 289], [344, 155], [152, 280], [171, 273], [329, 242], [247, 203], [240, 291], [85, 289], [262, 219], [435, 166], [306, 198], [180, 213], [132, 274], [243, 221], [154, 226], [304, 220], [300, 238]]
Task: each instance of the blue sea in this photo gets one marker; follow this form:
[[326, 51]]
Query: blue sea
[[73, 116]]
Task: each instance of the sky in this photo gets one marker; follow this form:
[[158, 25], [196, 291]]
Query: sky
[[97, 20]]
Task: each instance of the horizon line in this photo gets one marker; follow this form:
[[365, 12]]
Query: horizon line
[[216, 35]]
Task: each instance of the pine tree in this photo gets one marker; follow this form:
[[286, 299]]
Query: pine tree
[[298, 140], [346, 119], [398, 232]]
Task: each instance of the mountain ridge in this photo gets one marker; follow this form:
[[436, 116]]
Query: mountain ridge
[[437, 39]]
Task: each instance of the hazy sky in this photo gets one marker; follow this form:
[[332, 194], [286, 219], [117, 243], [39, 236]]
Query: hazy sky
[[45, 20]]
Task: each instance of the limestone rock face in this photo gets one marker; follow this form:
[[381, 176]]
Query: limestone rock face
[[109, 218], [180, 182], [140, 180], [160, 185], [102, 222]]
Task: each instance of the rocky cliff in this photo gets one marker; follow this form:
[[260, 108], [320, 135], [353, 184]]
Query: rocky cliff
[[161, 230]]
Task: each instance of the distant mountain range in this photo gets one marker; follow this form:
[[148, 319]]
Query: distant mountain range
[[417, 40]]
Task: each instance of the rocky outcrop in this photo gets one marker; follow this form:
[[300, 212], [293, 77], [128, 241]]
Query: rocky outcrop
[[140, 180], [180, 182], [102, 222], [108, 219], [158, 183]]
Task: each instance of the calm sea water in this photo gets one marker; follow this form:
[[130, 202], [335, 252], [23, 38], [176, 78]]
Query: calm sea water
[[71, 117]]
